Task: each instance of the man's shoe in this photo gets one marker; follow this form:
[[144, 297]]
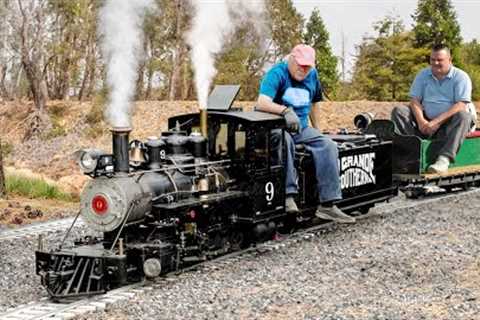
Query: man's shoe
[[290, 205], [440, 166], [334, 214]]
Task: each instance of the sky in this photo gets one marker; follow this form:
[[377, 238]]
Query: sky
[[355, 18]]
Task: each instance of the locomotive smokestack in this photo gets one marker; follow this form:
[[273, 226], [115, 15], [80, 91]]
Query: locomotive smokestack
[[120, 148]]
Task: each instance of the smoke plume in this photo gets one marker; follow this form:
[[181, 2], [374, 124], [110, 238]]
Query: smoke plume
[[121, 28], [214, 21]]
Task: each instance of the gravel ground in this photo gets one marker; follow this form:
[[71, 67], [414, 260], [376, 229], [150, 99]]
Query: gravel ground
[[417, 263], [18, 282]]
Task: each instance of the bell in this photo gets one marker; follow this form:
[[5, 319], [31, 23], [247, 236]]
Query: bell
[[202, 185], [136, 155]]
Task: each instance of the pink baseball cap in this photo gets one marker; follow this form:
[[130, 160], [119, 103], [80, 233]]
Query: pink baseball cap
[[304, 55]]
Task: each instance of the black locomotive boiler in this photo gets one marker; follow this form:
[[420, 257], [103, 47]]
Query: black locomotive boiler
[[181, 198]]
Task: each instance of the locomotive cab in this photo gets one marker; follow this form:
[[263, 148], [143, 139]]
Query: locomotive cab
[[244, 138]]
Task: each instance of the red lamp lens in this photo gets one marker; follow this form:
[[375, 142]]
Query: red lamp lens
[[99, 204]]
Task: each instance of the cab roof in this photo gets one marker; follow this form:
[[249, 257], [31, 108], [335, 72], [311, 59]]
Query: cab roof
[[244, 117]]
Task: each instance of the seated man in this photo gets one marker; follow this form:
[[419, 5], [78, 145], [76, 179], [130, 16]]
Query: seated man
[[439, 107], [290, 88]]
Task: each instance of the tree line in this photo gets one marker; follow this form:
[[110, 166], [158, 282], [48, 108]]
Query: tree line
[[49, 49], [388, 62]]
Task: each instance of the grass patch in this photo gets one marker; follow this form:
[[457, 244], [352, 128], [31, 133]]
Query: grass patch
[[34, 188]]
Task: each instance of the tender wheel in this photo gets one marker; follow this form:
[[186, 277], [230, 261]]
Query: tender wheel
[[364, 210], [412, 194]]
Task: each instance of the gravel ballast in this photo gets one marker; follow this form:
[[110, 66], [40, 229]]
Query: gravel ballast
[[18, 282], [415, 263]]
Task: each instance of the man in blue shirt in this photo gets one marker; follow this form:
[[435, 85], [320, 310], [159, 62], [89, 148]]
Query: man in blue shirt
[[291, 88], [440, 108]]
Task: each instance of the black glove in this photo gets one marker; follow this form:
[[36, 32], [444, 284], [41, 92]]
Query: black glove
[[291, 118]]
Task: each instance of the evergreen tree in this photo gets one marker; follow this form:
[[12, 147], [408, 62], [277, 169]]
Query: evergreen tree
[[435, 22], [285, 24], [470, 52], [241, 62], [247, 52], [316, 35], [387, 64]]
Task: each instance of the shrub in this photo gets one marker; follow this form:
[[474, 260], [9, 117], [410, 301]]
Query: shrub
[[56, 113], [95, 116], [7, 148], [57, 129], [34, 188], [57, 110], [473, 71]]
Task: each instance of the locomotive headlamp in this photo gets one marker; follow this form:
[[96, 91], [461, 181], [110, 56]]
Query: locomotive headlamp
[[87, 159]]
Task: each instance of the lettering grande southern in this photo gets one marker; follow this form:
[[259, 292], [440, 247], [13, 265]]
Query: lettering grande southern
[[357, 170]]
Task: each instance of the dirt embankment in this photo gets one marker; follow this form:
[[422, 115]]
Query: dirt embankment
[[52, 157]]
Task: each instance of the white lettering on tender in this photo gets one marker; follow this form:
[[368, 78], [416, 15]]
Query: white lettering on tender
[[357, 170]]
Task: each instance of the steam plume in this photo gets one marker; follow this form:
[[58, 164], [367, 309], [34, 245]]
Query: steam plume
[[212, 22], [121, 27]]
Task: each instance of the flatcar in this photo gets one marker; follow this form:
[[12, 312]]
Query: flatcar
[[183, 198]]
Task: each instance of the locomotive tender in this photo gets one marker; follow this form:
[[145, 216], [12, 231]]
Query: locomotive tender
[[179, 199]]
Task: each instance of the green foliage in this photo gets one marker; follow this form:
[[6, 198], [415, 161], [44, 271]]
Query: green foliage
[[57, 110], [316, 35], [57, 130], [386, 65], [94, 117], [34, 188], [470, 52], [285, 24], [473, 71], [470, 57], [99, 102], [72, 34], [435, 22], [241, 61], [233, 68], [7, 148], [56, 113], [346, 91]]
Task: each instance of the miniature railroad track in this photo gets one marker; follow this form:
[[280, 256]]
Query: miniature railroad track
[[46, 309], [37, 229]]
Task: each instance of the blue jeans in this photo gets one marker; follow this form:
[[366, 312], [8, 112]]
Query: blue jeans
[[325, 158]]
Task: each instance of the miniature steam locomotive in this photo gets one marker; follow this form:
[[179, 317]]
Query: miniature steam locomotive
[[182, 198]]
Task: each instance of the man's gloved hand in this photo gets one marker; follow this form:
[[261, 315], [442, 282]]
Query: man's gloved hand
[[291, 118]]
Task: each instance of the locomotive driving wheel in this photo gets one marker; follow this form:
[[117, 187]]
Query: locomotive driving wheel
[[237, 240]]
